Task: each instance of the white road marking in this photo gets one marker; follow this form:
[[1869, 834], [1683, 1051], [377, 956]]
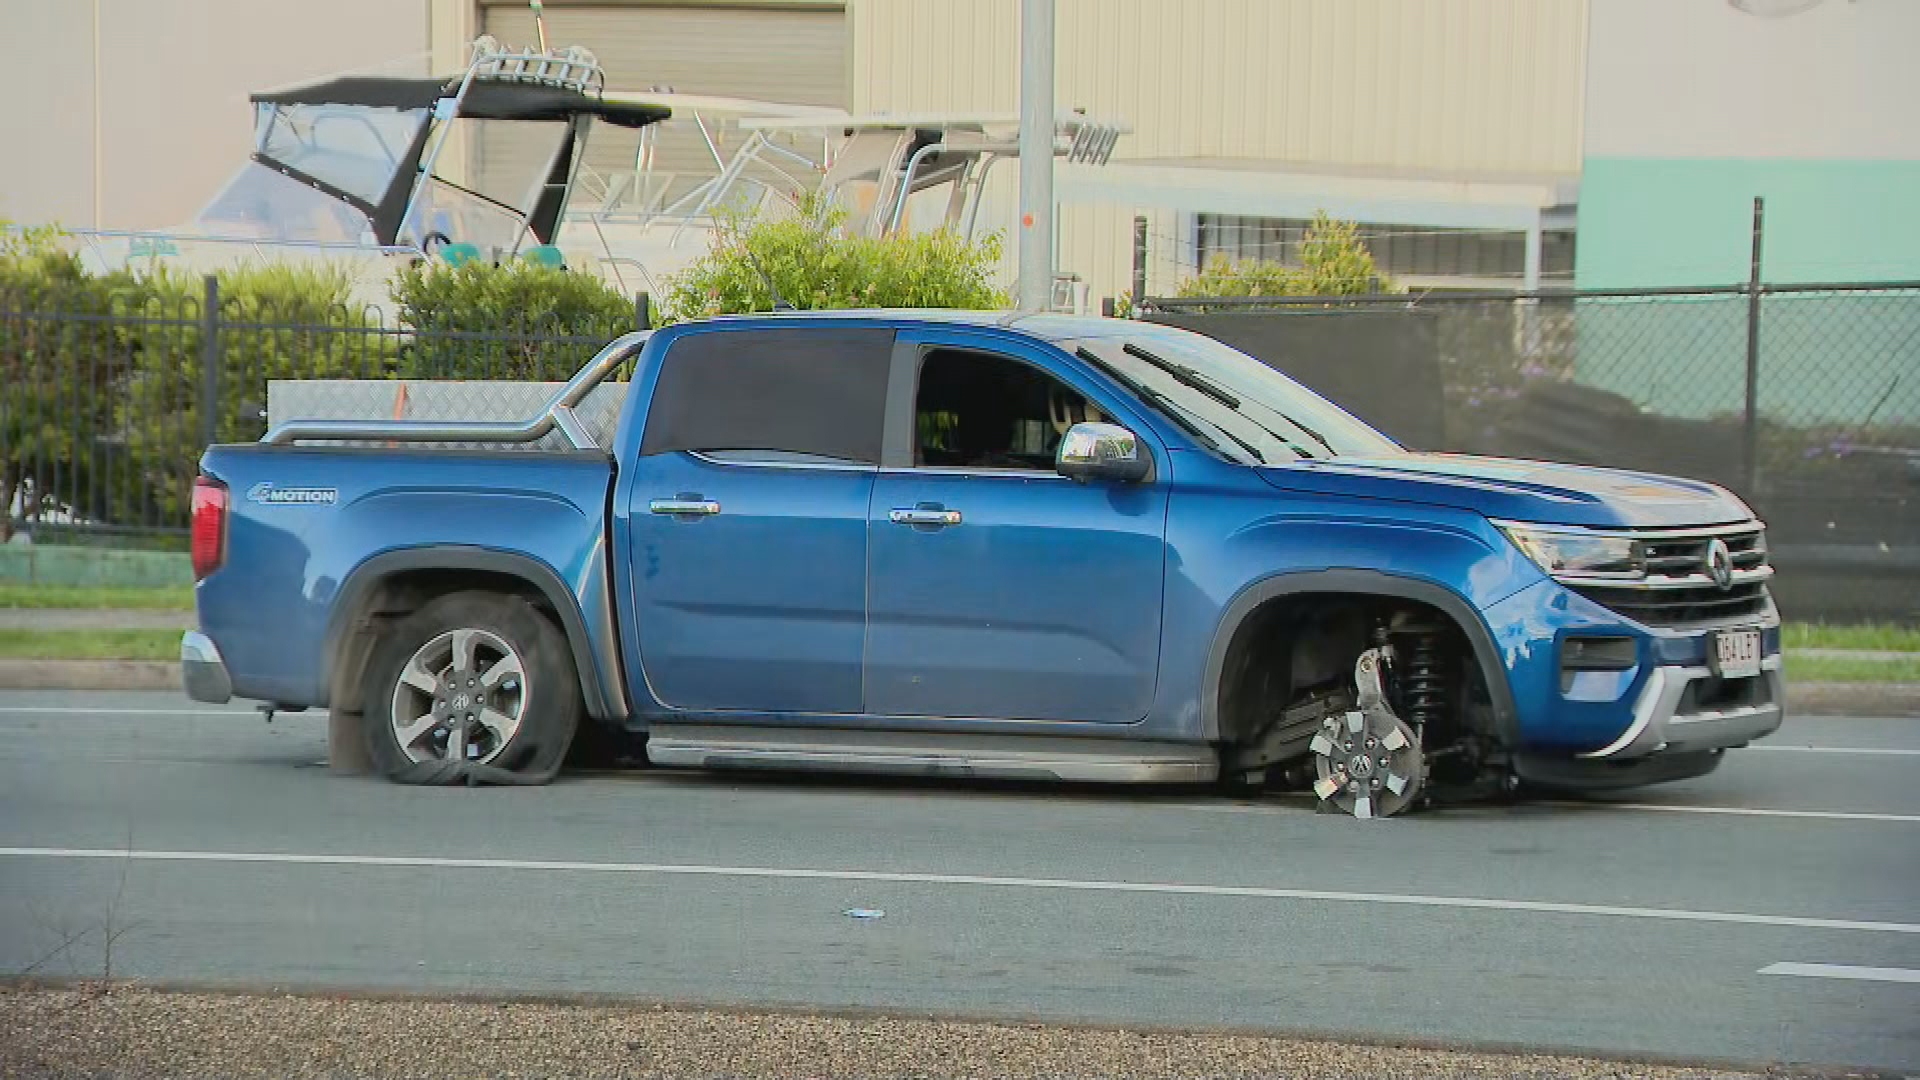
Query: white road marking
[[1864, 751], [888, 877], [61, 710], [1743, 811], [1844, 971]]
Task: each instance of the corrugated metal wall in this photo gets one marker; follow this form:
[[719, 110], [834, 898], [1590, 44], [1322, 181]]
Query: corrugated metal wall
[[1493, 85]]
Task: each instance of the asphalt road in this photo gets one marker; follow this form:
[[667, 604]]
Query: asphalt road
[[1767, 913]]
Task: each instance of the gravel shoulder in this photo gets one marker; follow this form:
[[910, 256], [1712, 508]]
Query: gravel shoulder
[[128, 1032]]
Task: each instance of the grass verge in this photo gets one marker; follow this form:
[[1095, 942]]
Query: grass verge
[[1851, 669], [90, 644], [96, 597], [1881, 637]]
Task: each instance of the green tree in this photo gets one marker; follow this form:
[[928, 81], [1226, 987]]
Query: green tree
[[815, 265]]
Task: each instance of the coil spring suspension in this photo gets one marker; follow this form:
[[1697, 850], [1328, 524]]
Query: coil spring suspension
[[1423, 687]]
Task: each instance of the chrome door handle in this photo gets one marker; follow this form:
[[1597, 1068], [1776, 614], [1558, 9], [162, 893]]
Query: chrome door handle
[[921, 516], [684, 507]]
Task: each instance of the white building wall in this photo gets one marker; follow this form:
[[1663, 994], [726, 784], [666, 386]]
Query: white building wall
[[1701, 79], [1459, 85], [46, 127], [128, 114]]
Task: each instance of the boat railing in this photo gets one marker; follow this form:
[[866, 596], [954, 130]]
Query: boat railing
[[571, 68]]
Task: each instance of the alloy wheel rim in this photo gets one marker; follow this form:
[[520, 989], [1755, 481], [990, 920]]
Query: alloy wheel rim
[[460, 697]]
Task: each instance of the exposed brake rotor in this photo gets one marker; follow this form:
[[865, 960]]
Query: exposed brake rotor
[[1367, 761]]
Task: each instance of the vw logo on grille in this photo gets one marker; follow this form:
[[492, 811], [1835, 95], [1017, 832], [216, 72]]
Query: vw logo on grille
[[1720, 564]]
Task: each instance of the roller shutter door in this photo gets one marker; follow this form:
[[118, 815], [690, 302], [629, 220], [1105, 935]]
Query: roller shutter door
[[752, 52]]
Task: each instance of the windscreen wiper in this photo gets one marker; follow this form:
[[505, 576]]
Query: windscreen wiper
[[1170, 408], [1185, 375], [1312, 434], [1200, 382]]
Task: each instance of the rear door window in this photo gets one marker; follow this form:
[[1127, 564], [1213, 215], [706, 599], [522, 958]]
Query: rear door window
[[816, 395]]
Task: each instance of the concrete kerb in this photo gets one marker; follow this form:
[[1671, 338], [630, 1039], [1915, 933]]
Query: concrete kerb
[[1853, 699], [18, 674]]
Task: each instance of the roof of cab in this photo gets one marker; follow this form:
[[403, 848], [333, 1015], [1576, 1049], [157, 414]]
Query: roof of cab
[[1048, 327]]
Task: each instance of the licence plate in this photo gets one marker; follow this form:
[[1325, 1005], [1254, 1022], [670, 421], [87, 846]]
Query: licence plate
[[1734, 654]]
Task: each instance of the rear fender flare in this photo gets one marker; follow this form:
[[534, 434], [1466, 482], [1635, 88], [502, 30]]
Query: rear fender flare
[[1370, 583], [600, 687]]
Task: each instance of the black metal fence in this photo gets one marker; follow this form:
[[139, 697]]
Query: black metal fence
[[1804, 399], [106, 401]]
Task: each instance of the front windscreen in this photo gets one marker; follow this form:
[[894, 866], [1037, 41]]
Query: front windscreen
[[1252, 412], [486, 179], [509, 158], [355, 148], [263, 204], [446, 213]]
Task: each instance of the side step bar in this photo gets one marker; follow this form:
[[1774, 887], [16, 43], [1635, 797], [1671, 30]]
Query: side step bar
[[914, 753]]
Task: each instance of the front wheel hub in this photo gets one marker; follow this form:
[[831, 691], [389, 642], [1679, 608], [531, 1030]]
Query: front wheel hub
[[1367, 762]]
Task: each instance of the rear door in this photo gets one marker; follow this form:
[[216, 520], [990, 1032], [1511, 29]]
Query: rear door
[[998, 588], [747, 512]]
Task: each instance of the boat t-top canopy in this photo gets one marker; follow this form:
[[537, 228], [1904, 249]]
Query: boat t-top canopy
[[483, 100], [372, 145]]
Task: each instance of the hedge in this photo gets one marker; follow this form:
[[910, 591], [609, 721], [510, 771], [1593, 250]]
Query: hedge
[[814, 264]]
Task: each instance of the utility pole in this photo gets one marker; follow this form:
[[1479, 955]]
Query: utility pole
[[1750, 440], [1036, 154]]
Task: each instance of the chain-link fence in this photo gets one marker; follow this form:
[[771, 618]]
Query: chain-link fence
[[106, 402], [1804, 399]]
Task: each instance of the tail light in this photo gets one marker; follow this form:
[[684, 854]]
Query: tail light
[[210, 501]]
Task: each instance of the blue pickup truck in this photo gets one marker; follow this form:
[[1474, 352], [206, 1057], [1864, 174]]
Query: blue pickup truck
[[979, 544]]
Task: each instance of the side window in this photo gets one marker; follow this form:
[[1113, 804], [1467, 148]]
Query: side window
[[817, 395], [977, 410]]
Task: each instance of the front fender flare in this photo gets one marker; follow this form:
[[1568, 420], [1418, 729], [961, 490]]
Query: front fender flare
[[601, 689], [1370, 583]]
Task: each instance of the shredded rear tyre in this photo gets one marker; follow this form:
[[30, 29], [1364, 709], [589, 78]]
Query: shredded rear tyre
[[474, 688]]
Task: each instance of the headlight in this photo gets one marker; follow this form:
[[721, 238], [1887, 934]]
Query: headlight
[[1580, 554]]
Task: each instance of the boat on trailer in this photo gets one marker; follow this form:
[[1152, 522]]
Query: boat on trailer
[[363, 171]]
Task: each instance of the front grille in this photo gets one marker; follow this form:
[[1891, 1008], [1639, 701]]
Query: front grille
[[1679, 589]]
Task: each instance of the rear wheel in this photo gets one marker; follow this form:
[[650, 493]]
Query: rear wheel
[[473, 687]]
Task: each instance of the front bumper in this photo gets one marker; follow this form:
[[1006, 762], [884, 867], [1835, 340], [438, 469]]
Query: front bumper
[[1685, 709], [1665, 702], [203, 672]]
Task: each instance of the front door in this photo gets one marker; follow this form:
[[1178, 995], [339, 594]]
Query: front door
[[997, 588], [746, 515]]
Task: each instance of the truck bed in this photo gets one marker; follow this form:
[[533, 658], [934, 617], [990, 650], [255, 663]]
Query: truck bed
[[289, 559]]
